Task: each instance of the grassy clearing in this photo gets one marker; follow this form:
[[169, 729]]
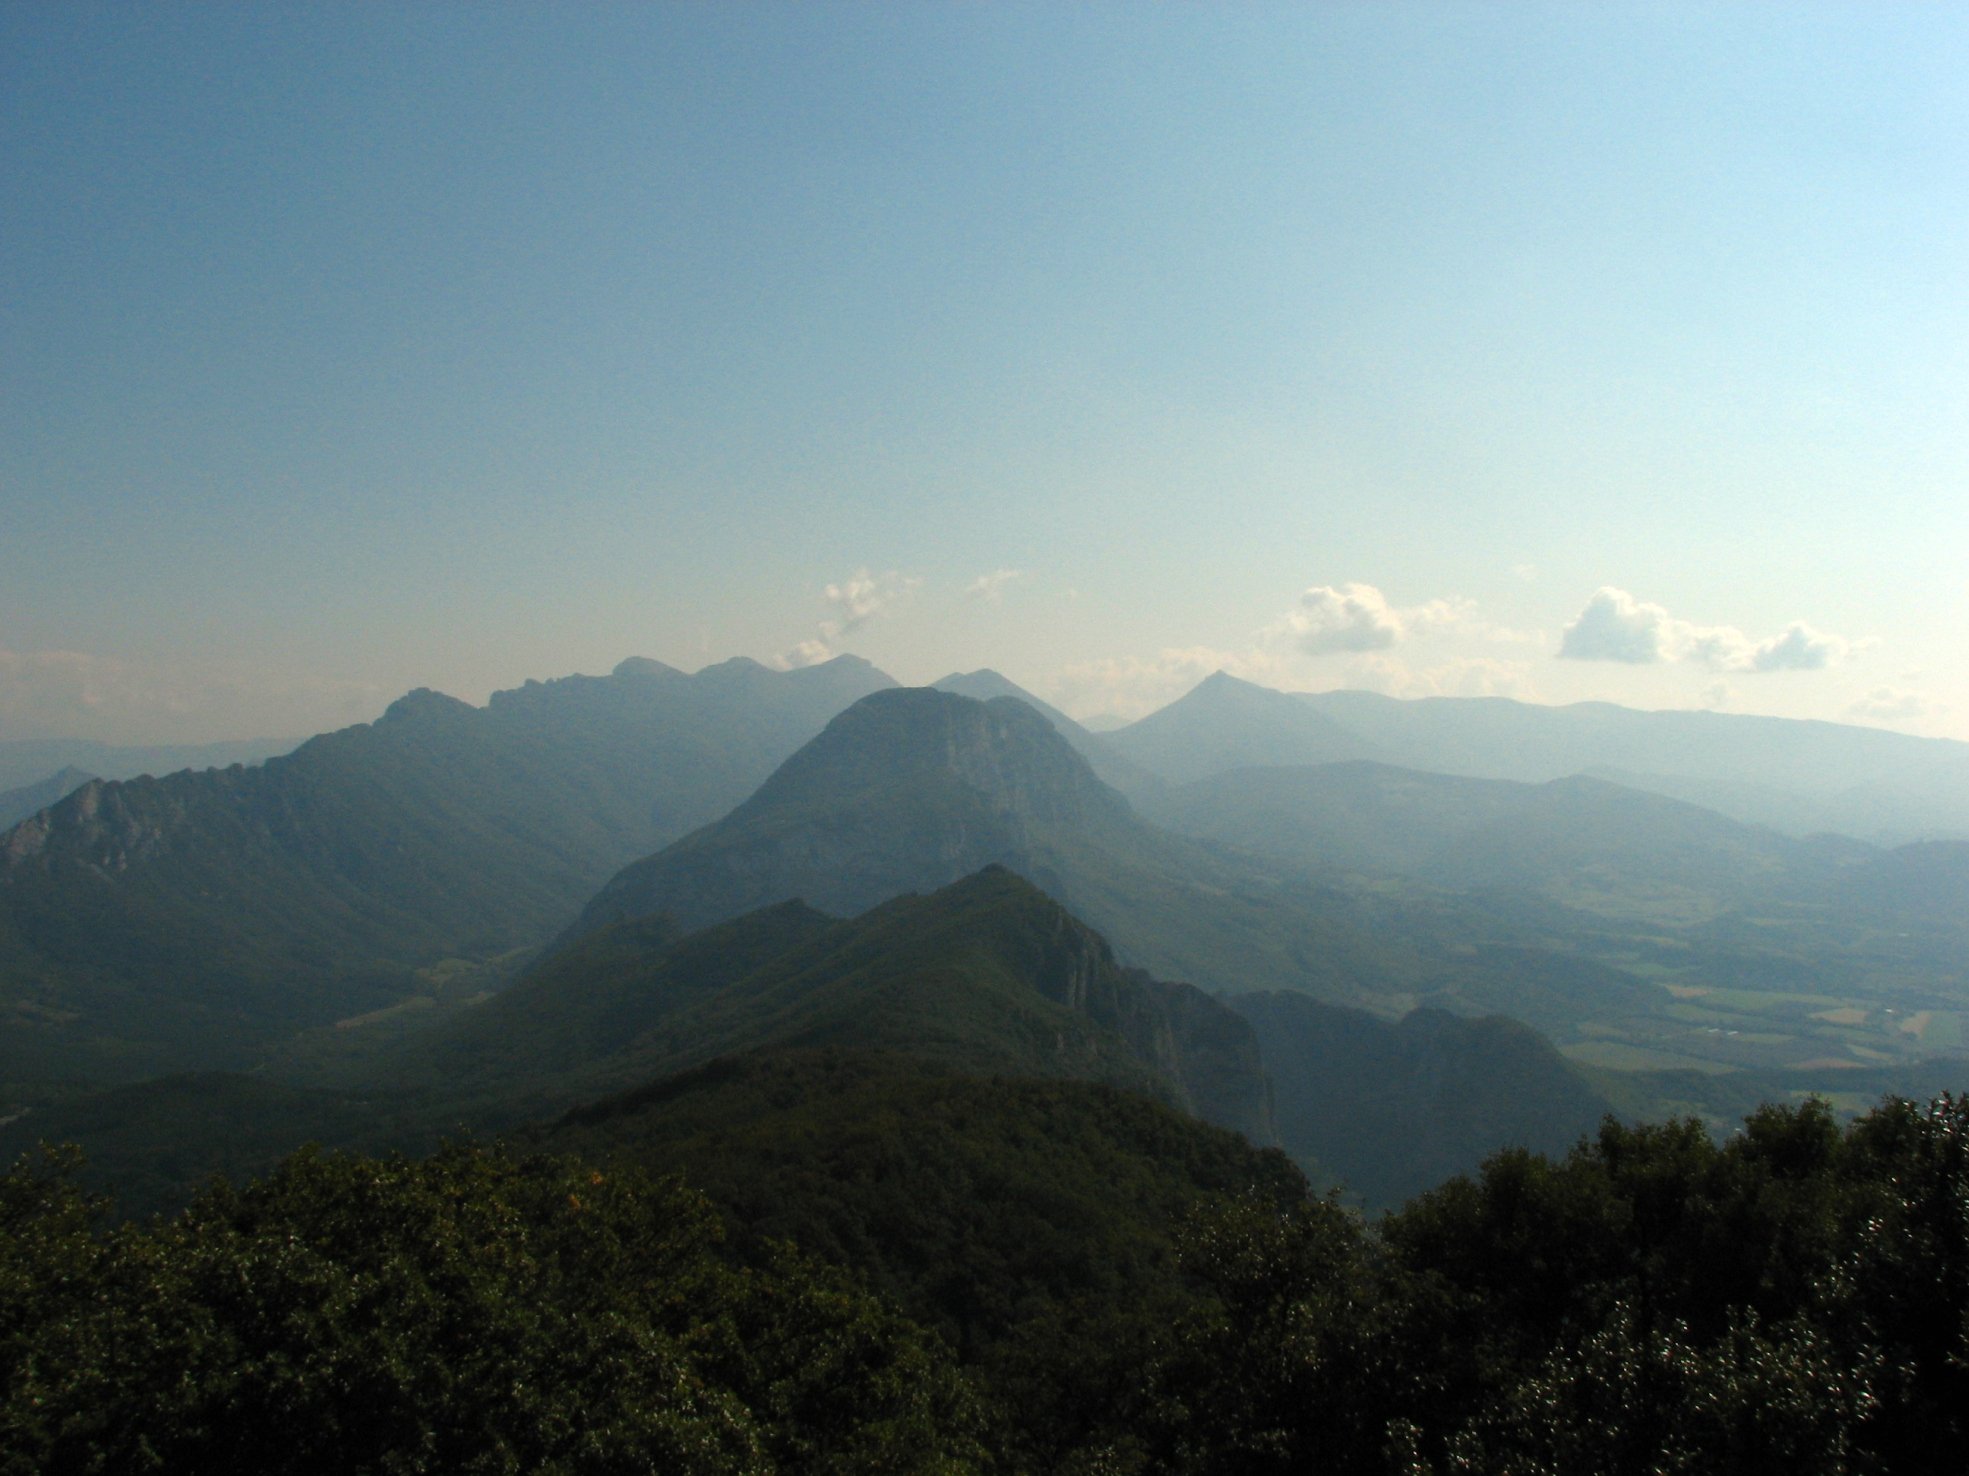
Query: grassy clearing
[[1620, 1055]]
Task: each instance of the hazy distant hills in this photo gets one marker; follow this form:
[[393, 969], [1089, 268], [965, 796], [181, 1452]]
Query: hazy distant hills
[[1223, 723], [30, 799], [832, 864], [26, 761], [1794, 776], [153, 923], [910, 789], [1578, 837]]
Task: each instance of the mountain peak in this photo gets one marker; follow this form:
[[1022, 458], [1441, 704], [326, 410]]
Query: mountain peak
[[1225, 722], [643, 666], [423, 702], [907, 788]]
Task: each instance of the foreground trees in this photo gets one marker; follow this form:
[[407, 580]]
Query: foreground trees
[[463, 1313], [1794, 1300]]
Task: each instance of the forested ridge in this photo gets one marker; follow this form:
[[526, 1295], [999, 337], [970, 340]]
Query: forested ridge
[[1795, 1299]]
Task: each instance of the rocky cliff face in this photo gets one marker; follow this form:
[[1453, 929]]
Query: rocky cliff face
[[908, 790]]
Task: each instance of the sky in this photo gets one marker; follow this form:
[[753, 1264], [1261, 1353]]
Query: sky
[[1579, 352]]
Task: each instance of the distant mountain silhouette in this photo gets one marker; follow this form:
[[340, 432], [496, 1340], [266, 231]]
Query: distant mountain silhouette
[[1224, 723], [152, 924], [25, 761], [907, 790], [30, 799], [1794, 776], [1567, 836]]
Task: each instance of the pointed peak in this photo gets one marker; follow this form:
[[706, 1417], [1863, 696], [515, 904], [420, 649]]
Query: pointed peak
[[1221, 681]]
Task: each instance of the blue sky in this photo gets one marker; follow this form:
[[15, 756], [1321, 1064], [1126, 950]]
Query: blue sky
[[1563, 352]]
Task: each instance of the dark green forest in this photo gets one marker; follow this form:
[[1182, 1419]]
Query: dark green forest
[[1794, 1299]]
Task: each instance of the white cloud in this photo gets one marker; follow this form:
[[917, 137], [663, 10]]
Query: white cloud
[[991, 587], [1800, 648], [1614, 626], [1358, 617], [1354, 617], [856, 600], [861, 597]]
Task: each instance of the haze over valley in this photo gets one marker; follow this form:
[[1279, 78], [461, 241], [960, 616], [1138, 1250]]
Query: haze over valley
[[984, 739]]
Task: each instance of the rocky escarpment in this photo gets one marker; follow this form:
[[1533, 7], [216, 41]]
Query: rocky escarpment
[[908, 790]]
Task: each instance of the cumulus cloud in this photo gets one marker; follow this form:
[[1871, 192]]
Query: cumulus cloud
[[1355, 621], [991, 587], [861, 597], [1800, 648], [1358, 617], [856, 600], [1614, 626], [1354, 617]]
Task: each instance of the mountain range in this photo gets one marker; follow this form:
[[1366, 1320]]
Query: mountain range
[[152, 924], [1795, 776], [1260, 908]]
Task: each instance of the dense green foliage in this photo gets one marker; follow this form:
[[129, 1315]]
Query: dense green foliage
[[1795, 1300], [1130, 1295], [468, 1312]]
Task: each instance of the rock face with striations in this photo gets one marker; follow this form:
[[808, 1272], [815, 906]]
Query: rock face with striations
[[908, 790]]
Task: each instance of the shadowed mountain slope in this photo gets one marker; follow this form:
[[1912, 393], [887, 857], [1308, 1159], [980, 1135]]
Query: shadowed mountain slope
[[158, 923], [1391, 1109], [987, 975], [905, 791]]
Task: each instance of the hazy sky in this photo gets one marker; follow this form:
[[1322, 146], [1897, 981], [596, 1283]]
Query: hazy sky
[[1563, 352]]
